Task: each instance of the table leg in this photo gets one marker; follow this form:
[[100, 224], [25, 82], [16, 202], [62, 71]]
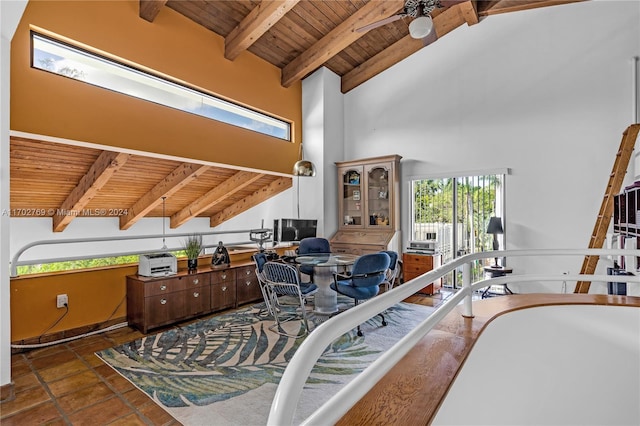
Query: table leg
[[326, 299]]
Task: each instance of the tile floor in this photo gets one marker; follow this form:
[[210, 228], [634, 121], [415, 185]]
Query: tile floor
[[67, 384]]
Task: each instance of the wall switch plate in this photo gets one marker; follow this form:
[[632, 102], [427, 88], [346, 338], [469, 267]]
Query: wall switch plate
[[61, 300]]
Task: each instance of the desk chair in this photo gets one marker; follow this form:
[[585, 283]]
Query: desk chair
[[283, 280], [364, 281], [312, 245]]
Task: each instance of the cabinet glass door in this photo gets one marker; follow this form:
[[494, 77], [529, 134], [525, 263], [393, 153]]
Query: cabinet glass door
[[378, 197], [352, 197]]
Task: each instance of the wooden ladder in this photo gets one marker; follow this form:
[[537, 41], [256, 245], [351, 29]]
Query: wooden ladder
[[603, 220]]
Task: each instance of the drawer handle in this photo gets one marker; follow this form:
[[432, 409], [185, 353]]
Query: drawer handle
[[224, 276], [163, 301], [196, 294], [196, 281], [163, 287], [248, 283], [224, 288], [248, 272]]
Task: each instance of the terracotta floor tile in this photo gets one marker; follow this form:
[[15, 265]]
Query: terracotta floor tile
[[120, 383], [43, 413], [101, 414], [46, 351], [54, 359], [95, 346], [19, 366], [137, 398], [26, 381], [132, 419], [93, 360], [73, 383], [156, 414], [105, 371], [85, 397], [63, 370], [85, 341], [25, 399]]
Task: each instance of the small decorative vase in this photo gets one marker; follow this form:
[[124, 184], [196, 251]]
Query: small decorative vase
[[192, 264]]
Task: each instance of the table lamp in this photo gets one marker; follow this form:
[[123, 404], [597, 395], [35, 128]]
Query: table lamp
[[495, 228]]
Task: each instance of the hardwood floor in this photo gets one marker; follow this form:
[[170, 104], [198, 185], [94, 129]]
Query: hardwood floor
[[67, 384]]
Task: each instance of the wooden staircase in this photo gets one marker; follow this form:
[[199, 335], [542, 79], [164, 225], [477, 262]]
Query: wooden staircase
[[603, 220]]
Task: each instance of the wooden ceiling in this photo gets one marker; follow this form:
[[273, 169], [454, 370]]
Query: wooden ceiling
[[298, 36]]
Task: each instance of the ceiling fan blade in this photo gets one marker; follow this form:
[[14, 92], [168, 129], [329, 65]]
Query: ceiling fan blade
[[380, 23]]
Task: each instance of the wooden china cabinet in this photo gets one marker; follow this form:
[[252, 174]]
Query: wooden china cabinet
[[368, 205]]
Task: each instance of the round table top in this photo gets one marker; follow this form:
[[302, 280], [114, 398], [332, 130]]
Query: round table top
[[326, 259]]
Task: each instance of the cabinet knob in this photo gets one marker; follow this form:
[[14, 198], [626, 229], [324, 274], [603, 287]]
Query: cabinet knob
[[163, 301], [248, 283], [163, 287], [248, 272], [196, 294], [224, 276], [196, 281], [224, 288]]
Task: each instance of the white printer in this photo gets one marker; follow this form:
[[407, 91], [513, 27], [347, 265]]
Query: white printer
[[157, 265]]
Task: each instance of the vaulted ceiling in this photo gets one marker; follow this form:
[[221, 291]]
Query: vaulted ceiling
[[298, 36]]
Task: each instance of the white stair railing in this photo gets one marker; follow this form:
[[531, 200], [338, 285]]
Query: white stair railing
[[295, 375]]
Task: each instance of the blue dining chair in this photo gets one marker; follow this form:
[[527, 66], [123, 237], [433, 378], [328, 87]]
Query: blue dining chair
[[364, 281], [312, 245], [391, 273]]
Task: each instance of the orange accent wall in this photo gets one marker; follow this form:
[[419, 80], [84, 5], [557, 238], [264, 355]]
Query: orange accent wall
[[48, 104], [95, 296]]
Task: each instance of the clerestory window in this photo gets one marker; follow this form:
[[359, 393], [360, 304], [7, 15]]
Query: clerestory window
[[70, 61]]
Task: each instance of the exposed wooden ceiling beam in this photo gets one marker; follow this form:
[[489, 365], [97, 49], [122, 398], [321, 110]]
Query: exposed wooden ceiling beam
[[98, 175], [494, 7], [337, 39], [218, 194], [149, 9], [254, 25], [168, 186], [254, 199], [443, 22]]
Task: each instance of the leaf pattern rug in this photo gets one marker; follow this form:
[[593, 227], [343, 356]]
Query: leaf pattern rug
[[224, 370]]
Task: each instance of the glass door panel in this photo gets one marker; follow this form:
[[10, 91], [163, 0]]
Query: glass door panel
[[352, 198], [378, 196]]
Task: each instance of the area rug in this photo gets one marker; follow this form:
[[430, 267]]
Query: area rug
[[224, 370]]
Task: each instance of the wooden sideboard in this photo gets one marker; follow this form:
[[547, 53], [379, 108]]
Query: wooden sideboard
[[155, 302], [416, 264]]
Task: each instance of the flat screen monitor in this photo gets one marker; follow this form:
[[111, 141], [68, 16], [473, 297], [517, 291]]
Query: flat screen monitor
[[293, 230]]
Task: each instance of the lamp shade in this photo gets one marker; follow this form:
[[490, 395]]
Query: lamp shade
[[495, 226], [421, 27], [304, 168]]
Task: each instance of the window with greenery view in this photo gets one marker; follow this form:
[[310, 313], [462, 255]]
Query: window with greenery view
[[455, 211]]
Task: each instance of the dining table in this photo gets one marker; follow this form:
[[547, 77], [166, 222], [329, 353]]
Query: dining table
[[324, 266]]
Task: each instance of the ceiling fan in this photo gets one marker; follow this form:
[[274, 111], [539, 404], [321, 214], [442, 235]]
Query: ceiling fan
[[422, 25]]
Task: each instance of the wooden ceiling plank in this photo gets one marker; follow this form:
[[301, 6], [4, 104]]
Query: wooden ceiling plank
[[443, 23], [495, 7], [337, 39], [216, 195], [469, 12], [98, 175], [254, 25], [149, 9], [268, 191], [172, 183]]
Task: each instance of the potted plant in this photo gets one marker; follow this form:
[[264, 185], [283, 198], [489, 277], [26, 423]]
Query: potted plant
[[193, 248]]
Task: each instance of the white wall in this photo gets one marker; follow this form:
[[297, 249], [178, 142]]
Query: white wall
[[554, 365], [545, 92]]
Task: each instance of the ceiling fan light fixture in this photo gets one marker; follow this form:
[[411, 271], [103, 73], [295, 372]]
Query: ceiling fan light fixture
[[421, 27]]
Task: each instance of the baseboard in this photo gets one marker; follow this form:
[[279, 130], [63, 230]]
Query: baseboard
[[66, 334], [7, 392]]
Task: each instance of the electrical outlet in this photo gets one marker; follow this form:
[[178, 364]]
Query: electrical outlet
[[62, 300]]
